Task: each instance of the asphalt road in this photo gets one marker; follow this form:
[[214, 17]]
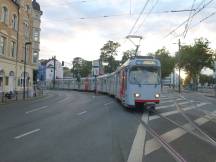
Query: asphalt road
[[70, 126]]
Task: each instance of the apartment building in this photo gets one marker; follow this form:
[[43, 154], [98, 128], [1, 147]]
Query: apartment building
[[19, 43]]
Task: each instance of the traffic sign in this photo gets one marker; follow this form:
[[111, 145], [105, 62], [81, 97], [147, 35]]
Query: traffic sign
[[96, 71], [95, 63]]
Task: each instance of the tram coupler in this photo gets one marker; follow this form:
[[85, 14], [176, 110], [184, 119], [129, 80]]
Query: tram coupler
[[150, 107]]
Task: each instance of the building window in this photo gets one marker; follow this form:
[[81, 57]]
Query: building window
[[28, 8], [6, 80], [11, 73], [26, 29], [36, 35], [26, 80], [4, 17], [2, 45], [13, 49], [27, 54], [19, 80], [14, 22], [35, 57]]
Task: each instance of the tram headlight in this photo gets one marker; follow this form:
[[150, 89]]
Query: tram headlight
[[157, 95], [137, 95]]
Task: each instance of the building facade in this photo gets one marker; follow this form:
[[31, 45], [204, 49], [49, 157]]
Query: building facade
[[19, 24], [46, 70], [171, 80]]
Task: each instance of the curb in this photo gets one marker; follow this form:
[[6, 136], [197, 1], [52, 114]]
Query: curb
[[30, 99]]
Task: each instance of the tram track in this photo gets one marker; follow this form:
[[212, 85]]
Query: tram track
[[191, 127], [170, 150]]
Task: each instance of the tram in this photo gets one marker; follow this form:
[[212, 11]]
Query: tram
[[137, 81]]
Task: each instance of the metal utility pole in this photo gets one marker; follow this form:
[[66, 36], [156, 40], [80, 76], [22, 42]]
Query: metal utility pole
[[179, 43], [24, 75], [54, 73], [173, 79], [214, 76]]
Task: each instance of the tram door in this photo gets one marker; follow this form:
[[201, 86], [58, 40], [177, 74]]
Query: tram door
[[123, 82]]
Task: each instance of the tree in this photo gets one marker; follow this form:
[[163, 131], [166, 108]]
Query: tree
[[108, 53], [81, 68], [167, 62], [193, 58], [205, 79], [187, 80], [127, 55], [67, 72], [86, 68]]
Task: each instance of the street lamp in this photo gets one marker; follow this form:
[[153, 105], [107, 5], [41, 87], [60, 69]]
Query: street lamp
[[24, 83]]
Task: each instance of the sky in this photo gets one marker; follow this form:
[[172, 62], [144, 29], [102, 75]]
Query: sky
[[80, 28]]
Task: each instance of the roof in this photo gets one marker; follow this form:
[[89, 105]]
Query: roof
[[15, 2], [36, 5]]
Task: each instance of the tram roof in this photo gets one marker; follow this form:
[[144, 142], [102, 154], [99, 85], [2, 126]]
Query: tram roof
[[142, 60]]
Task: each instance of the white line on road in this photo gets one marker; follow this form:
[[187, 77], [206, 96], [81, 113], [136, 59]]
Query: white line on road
[[136, 152], [171, 98], [167, 101], [65, 99], [25, 134], [172, 135], [173, 105], [34, 110], [176, 111], [82, 113], [108, 103]]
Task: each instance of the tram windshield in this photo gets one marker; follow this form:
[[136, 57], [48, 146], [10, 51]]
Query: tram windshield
[[144, 75]]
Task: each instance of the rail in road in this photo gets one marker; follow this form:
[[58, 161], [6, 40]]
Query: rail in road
[[142, 147], [97, 128]]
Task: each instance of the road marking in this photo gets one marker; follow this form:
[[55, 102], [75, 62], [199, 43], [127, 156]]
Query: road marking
[[164, 96], [171, 98], [82, 113], [25, 134], [136, 152], [173, 105], [176, 111], [34, 110], [109, 103], [172, 135], [65, 99], [167, 101]]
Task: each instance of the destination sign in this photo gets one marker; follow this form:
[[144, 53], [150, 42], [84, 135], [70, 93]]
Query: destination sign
[[146, 62]]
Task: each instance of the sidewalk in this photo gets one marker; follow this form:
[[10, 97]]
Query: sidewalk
[[19, 97], [210, 93]]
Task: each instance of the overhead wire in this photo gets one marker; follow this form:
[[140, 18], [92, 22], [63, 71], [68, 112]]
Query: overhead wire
[[140, 14], [205, 18], [149, 13], [198, 10], [65, 3], [189, 20]]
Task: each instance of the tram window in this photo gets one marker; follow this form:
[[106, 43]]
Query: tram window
[[144, 75]]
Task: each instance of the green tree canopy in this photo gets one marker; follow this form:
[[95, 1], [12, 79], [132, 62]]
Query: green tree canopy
[[167, 61], [205, 79], [81, 67], [127, 54], [193, 58], [108, 53]]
